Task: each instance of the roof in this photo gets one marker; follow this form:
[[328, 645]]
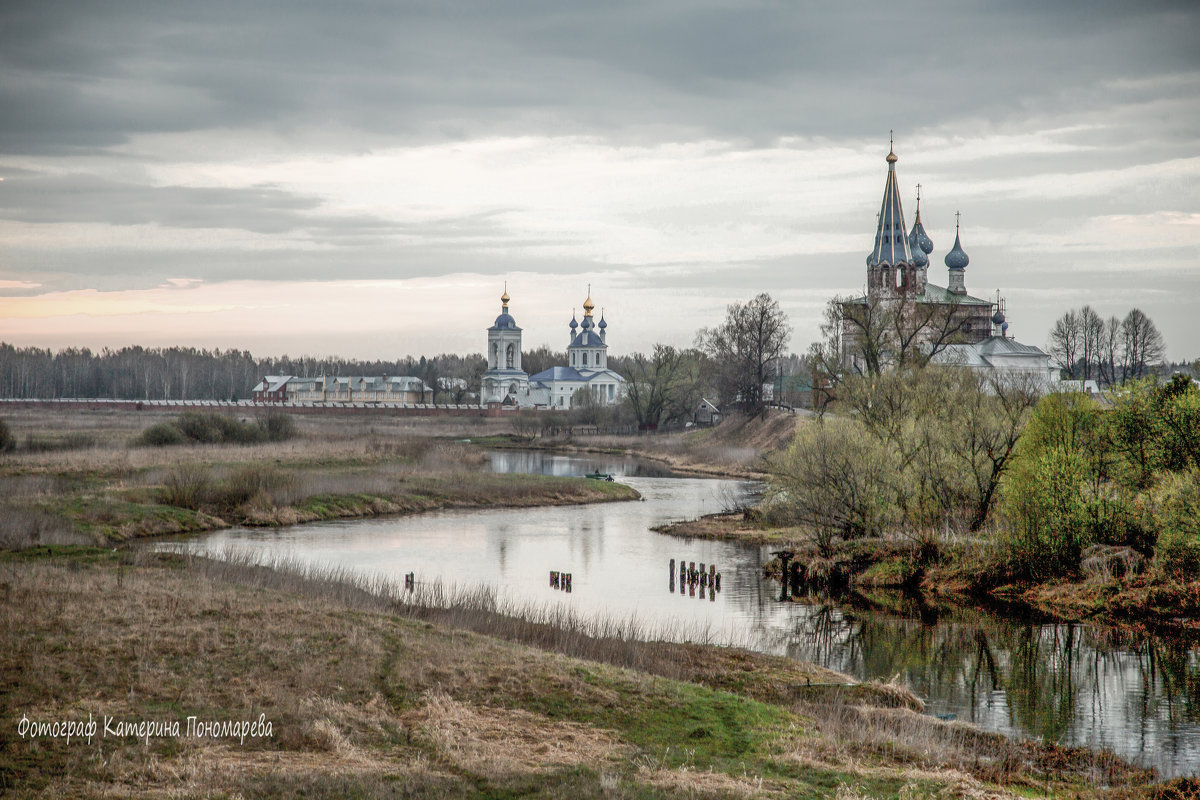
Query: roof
[[936, 294], [587, 338], [940, 294], [984, 354], [504, 322], [891, 238], [558, 374], [572, 374]]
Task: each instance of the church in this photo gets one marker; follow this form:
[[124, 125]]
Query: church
[[505, 383], [974, 330]]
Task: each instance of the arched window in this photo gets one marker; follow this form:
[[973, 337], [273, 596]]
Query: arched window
[[508, 357], [495, 355], [585, 358]]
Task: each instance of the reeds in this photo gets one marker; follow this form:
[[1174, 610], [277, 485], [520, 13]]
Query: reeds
[[625, 642]]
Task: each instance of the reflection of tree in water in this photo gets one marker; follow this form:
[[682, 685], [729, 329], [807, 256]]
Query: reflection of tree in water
[[1054, 681]]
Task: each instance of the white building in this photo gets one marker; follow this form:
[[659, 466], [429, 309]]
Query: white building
[[1003, 357], [403, 389], [504, 376], [587, 366]]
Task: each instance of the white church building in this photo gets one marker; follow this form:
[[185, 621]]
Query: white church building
[[504, 381]]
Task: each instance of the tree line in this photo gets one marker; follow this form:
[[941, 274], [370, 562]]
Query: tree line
[[730, 362], [1109, 351], [188, 373]]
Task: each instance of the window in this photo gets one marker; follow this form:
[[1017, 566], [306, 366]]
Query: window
[[508, 357], [585, 358]]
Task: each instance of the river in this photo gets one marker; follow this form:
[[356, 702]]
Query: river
[[1137, 695]]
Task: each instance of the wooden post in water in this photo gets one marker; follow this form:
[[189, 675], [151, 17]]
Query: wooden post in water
[[785, 576]]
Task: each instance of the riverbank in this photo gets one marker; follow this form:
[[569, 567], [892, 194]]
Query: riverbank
[[958, 574], [90, 479], [733, 449], [367, 696]]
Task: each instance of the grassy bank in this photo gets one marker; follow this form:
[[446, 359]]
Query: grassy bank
[[733, 449], [962, 572], [101, 483], [371, 697]]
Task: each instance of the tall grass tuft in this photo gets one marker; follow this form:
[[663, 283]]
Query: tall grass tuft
[[186, 486]]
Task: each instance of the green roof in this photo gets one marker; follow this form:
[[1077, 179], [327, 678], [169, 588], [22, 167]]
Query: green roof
[[937, 295]]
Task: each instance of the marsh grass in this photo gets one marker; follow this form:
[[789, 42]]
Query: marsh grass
[[335, 468], [373, 697]]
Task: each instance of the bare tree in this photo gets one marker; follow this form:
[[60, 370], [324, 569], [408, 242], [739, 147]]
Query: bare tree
[[1064, 342], [745, 347], [664, 386], [868, 335], [1142, 342], [1111, 353], [1091, 331]]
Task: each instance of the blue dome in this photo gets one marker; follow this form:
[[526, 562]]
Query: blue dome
[[505, 320], [918, 239], [919, 259], [573, 324], [586, 324], [957, 258], [998, 318], [602, 324]]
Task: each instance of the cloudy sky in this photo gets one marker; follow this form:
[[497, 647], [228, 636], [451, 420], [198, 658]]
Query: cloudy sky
[[361, 178]]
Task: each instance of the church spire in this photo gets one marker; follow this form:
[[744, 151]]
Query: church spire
[[891, 238]]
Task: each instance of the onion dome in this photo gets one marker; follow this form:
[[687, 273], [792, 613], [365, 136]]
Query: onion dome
[[919, 259], [588, 305], [957, 257], [918, 238], [573, 324], [1004, 329], [505, 320], [998, 317], [602, 324]]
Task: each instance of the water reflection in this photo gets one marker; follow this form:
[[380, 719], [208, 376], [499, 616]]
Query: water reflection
[[540, 463], [1066, 683], [1138, 695]]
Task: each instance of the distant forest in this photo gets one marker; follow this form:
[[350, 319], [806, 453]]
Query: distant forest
[[186, 373]]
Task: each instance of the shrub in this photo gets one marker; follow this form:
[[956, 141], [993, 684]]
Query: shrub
[[208, 428], [835, 478], [1174, 511], [1047, 519], [278, 426], [186, 486], [7, 442], [248, 483], [162, 434]]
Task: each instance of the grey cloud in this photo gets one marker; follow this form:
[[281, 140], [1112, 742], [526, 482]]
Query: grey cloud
[[35, 198], [90, 75]]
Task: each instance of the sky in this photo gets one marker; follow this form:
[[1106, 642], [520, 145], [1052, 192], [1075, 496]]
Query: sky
[[363, 179]]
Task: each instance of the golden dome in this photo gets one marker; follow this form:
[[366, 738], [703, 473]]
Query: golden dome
[[588, 305], [504, 297]]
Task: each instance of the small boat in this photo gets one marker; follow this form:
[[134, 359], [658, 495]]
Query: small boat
[[599, 476]]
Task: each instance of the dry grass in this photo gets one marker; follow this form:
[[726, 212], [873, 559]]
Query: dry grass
[[116, 491], [370, 700]]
